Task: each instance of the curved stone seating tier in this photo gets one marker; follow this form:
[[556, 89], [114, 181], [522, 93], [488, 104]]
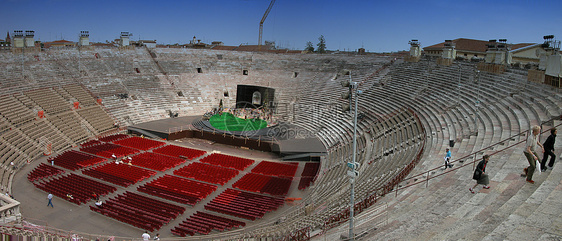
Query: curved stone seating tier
[[97, 118], [15, 111], [71, 125], [80, 95], [48, 100]]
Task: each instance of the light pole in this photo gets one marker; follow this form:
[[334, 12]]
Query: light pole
[[353, 165]]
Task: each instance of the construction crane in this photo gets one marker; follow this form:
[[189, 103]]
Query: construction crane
[[263, 20]]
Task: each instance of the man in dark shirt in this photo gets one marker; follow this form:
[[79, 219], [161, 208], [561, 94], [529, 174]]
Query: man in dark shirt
[[549, 150]]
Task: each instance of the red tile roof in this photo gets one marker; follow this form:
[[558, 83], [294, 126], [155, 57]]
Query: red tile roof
[[465, 44], [60, 41], [222, 47], [472, 45], [252, 48]]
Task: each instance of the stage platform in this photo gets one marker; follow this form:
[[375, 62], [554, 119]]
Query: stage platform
[[277, 139]]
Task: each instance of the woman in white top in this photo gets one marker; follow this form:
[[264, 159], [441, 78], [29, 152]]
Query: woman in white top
[[531, 152]]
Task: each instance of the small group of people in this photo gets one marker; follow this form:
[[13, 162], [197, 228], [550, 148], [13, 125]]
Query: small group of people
[[146, 236], [122, 161], [531, 146], [97, 200], [532, 155]]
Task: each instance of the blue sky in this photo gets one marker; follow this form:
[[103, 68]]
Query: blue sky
[[375, 25]]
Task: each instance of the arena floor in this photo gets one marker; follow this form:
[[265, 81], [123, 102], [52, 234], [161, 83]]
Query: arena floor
[[79, 218]]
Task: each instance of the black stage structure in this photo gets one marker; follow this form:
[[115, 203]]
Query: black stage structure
[[288, 141]]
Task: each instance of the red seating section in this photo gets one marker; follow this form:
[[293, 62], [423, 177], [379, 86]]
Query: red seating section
[[79, 187], [113, 138], [264, 184], [120, 174], [244, 204], [75, 160], [139, 143], [108, 149], [42, 171], [222, 160], [139, 211], [203, 223], [207, 173], [267, 177], [277, 169], [178, 151], [178, 189], [308, 174], [156, 161]]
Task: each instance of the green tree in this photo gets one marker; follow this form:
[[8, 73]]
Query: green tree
[[321, 45], [309, 47]]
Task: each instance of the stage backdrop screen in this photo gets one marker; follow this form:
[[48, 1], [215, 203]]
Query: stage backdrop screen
[[251, 96]]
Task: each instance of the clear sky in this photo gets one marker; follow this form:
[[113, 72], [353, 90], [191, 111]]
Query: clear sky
[[374, 25]]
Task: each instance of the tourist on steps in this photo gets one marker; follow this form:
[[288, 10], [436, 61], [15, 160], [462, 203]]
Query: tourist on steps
[[480, 174], [548, 146], [531, 152]]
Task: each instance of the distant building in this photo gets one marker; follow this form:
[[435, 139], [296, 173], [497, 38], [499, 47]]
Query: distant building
[[59, 44], [463, 48], [148, 43], [526, 53], [84, 39], [4, 45]]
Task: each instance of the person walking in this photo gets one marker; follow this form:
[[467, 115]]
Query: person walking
[[548, 146], [145, 236], [448, 158], [531, 152], [50, 197], [480, 174]]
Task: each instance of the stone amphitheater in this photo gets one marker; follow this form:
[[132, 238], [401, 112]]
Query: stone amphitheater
[[410, 112]]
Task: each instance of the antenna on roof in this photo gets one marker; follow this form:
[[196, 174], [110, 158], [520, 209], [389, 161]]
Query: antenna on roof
[[550, 43]]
